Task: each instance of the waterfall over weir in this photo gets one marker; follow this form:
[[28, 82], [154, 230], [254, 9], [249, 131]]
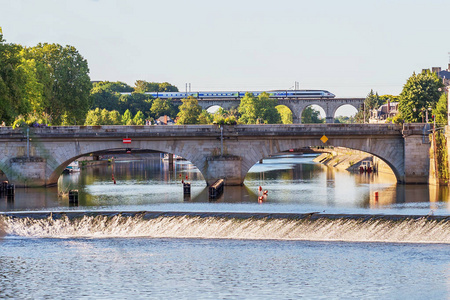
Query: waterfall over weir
[[313, 226]]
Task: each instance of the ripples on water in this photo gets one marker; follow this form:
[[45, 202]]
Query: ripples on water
[[243, 250], [86, 262]]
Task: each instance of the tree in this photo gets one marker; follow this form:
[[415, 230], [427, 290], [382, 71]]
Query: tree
[[112, 87], [259, 109], [135, 102], [161, 107], [142, 86], [93, 117], [114, 117], [105, 94], [14, 99], [285, 113], [205, 117], [69, 82], [190, 110], [310, 115], [372, 101], [440, 112], [167, 87], [421, 91], [127, 118], [139, 118]]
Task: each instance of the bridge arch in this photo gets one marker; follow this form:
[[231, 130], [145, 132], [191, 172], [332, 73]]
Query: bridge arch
[[346, 107], [267, 148], [286, 114], [62, 160], [314, 107]]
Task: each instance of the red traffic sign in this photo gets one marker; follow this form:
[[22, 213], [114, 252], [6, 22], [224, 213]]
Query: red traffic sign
[[127, 141]]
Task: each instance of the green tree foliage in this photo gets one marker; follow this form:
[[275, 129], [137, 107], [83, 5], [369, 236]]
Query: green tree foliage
[[311, 115], [384, 98], [372, 101], [127, 118], [142, 86], [190, 110], [285, 113], [205, 117], [102, 117], [161, 107], [115, 118], [68, 80], [344, 120], [139, 118], [224, 117], [421, 91], [114, 87], [442, 156], [259, 109], [440, 111], [13, 79], [93, 117], [106, 94], [167, 87], [135, 102]]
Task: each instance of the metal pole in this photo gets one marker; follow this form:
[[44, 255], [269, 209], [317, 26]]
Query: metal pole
[[28, 142], [221, 141]]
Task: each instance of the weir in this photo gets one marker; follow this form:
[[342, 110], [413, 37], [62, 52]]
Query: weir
[[309, 226]]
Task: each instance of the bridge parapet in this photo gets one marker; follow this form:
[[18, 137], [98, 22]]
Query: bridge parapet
[[197, 131]]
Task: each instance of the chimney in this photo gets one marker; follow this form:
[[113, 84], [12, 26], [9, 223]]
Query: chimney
[[436, 69], [389, 106], [165, 119]]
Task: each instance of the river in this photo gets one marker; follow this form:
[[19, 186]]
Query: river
[[319, 233]]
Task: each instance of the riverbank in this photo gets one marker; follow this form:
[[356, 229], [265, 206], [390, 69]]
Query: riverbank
[[350, 160]]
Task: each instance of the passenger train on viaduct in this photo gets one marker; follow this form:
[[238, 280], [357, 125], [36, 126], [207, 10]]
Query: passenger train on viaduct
[[290, 94]]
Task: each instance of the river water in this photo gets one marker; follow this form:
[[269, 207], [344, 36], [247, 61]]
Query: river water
[[319, 233]]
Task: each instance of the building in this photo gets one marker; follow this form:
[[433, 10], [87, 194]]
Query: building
[[164, 120], [385, 111], [444, 74]]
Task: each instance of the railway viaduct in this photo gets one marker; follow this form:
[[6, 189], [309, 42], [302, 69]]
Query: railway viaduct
[[37, 156], [329, 105]]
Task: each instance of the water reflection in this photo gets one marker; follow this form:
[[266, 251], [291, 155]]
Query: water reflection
[[293, 182]]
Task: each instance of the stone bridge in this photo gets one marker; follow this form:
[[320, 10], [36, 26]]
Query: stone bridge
[[37, 156], [329, 105]]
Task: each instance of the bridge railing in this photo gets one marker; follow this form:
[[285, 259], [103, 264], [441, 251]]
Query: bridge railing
[[185, 131]]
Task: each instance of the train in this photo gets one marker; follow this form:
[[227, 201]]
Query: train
[[294, 94]]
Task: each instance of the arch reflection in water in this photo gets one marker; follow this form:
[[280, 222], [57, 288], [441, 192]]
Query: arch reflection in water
[[293, 182]]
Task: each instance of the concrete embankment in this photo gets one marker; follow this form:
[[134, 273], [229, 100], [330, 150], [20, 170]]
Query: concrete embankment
[[350, 160]]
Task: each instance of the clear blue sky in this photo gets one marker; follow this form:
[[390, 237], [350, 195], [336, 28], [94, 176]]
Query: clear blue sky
[[347, 47]]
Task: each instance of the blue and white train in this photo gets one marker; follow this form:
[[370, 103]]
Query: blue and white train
[[237, 95]]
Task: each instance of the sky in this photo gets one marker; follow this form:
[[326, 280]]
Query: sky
[[347, 47]]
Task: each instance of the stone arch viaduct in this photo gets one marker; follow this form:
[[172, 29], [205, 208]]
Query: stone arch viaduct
[[226, 152], [329, 105]]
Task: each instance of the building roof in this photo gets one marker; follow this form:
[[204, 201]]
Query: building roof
[[444, 74]]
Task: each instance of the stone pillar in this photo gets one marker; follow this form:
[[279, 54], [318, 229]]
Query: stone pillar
[[227, 168], [27, 171], [296, 120], [417, 153]]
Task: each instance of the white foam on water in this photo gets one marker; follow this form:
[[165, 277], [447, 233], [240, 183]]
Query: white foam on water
[[421, 230]]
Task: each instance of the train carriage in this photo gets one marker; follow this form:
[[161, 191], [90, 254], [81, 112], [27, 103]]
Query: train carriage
[[287, 94]]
